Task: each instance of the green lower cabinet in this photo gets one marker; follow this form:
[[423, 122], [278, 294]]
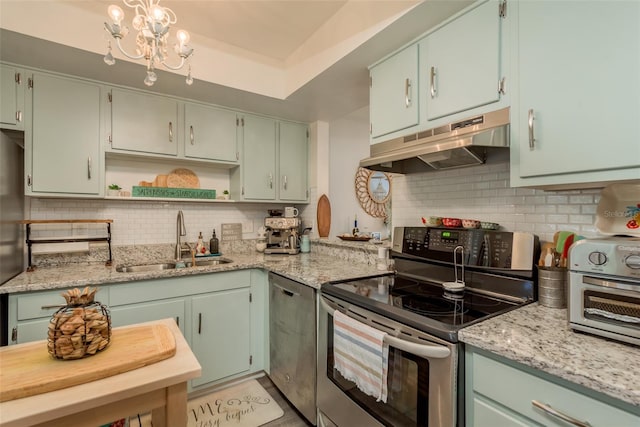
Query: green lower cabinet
[[500, 392], [221, 334], [149, 311]]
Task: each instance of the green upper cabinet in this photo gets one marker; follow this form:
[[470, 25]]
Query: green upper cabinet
[[62, 148], [143, 123], [576, 116], [293, 162], [393, 96], [259, 172], [210, 133], [12, 97], [274, 161], [460, 62]]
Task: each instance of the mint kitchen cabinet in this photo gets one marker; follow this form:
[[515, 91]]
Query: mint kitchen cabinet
[[274, 161], [222, 316], [29, 314], [143, 123], [62, 142], [460, 62], [12, 83], [574, 119], [510, 401], [221, 329], [210, 133], [393, 94]]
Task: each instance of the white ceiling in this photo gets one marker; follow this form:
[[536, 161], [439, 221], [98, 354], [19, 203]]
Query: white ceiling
[[299, 59]]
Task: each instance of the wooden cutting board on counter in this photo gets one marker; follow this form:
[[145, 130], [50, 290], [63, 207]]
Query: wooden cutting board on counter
[[324, 216], [182, 178], [28, 369]]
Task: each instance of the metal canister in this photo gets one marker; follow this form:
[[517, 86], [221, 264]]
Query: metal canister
[[552, 287]]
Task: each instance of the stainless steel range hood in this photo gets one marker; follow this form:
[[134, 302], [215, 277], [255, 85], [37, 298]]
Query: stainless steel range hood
[[463, 143]]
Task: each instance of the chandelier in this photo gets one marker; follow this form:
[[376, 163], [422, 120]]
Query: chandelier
[[152, 23]]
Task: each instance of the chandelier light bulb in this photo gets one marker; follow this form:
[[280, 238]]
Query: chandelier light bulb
[[183, 37], [116, 13], [157, 12]]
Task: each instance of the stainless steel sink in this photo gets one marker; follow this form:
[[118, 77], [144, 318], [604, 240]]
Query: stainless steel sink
[[208, 262], [171, 265], [145, 267]]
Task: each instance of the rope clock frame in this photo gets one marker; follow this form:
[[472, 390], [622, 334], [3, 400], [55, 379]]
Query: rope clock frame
[[374, 205]]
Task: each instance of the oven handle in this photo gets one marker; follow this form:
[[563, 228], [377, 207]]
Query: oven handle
[[420, 350]]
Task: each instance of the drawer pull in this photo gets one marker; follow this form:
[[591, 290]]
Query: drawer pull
[[51, 307], [555, 413]]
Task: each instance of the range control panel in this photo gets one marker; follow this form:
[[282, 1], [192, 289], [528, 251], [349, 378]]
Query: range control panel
[[486, 248]]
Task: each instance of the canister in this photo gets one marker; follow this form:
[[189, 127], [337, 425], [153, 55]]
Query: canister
[[552, 284], [305, 244]]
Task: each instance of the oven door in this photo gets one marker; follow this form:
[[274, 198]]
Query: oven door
[[421, 376], [605, 307]]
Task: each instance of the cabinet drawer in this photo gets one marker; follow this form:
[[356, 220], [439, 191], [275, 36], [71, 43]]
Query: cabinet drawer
[[44, 304], [517, 389], [152, 290]]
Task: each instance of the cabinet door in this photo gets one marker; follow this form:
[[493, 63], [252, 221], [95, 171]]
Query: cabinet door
[[579, 87], [487, 414], [393, 95], [220, 336], [460, 63], [293, 162], [210, 133], [12, 99], [149, 311], [259, 158], [65, 139], [143, 122]]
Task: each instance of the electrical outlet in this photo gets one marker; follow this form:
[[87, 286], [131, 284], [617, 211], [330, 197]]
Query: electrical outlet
[[247, 226]]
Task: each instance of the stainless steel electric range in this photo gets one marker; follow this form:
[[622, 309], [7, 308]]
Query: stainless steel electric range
[[445, 279]]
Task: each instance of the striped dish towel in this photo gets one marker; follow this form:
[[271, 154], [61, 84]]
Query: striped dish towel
[[360, 355]]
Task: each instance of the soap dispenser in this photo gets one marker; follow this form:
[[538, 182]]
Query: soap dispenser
[[213, 243], [200, 248]]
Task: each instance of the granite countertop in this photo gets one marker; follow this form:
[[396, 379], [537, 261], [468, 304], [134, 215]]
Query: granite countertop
[[540, 337], [312, 269]]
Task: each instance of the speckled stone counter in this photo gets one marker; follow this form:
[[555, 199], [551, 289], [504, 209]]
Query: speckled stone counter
[[312, 269], [540, 337]]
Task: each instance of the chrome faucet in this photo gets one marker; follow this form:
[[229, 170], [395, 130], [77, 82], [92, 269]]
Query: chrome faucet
[[181, 230]]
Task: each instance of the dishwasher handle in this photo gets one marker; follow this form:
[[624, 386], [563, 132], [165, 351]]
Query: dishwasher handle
[[286, 291], [420, 350]]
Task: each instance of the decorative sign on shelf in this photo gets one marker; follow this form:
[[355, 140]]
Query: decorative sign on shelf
[[173, 193]]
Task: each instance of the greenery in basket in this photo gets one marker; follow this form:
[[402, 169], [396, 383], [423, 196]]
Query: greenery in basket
[[225, 192], [114, 187]]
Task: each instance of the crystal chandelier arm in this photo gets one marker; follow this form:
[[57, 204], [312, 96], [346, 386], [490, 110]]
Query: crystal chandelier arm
[[121, 49], [176, 67]]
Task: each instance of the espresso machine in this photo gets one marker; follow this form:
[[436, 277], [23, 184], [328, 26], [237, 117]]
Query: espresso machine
[[282, 235]]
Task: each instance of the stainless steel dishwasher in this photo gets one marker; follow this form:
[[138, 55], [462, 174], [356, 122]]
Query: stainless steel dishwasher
[[292, 347]]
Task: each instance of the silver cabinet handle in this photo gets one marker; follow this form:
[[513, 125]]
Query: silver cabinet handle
[[532, 139], [407, 93], [89, 167], [19, 116], [432, 82], [270, 180], [170, 132], [50, 307], [555, 413], [284, 182], [191, 134]]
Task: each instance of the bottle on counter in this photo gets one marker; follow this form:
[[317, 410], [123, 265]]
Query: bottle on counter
[[213, 243], [355, 231], [200, 247]]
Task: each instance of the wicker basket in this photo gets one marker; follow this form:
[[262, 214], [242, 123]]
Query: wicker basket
[[81, 328]]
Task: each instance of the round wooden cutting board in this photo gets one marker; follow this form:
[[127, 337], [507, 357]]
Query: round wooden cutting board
[[183, 178], [324, 216]]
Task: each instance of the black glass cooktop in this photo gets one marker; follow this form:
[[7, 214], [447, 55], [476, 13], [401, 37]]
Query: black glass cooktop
[[427, 306]]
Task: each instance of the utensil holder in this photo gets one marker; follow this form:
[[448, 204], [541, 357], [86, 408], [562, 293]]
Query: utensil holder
[[552, 287]]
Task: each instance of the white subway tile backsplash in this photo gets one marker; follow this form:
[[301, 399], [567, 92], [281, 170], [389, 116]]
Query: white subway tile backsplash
[[483, 192]]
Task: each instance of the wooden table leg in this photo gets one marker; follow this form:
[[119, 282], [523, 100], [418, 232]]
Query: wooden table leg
[[174, 413]]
